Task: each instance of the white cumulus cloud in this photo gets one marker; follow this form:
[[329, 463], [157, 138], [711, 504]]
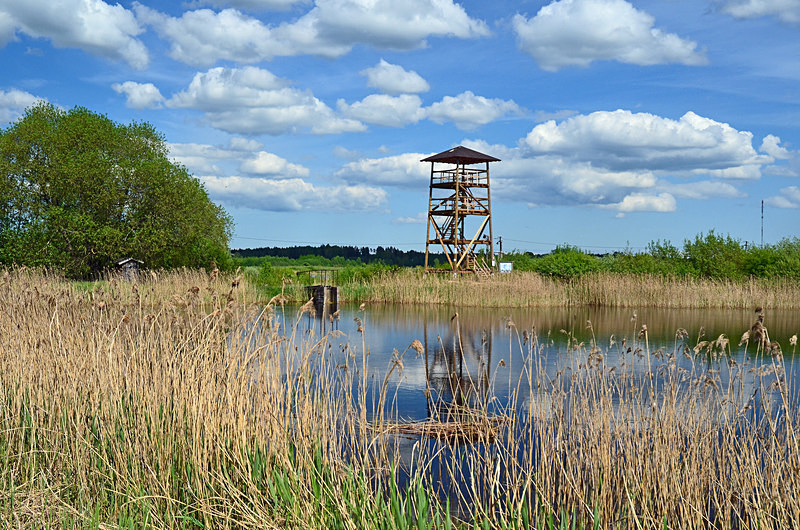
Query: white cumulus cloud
[[418, 219], [623, 140], [382, 109], [642, 202], [265, 163], [243, 153], [706, 189], [577, 32], [252, 5], [771, 145], [202, 158], [238, 143], [400, 171], [788, 198], [330, 29], [204, 37], [139, 95], [468, 111], [389, 23], [784, 10], [252, 100], [292, 194], [394, 79], [93, 26], [13, 104]]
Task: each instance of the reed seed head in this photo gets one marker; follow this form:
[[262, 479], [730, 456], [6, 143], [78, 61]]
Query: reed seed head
[[745, 337], [308, 307]]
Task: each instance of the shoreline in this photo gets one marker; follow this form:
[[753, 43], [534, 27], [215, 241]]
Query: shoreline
[[529, 289]]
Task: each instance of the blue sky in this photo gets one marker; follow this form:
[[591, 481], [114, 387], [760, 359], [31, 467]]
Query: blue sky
[[618, 123]]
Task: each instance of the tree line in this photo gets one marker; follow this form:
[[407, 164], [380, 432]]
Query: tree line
[[709, 255], [385, 255]]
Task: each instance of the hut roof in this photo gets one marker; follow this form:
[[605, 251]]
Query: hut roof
[[460, 155], [123, 261]]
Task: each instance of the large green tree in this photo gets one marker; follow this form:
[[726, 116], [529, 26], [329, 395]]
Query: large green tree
[[78, 191]]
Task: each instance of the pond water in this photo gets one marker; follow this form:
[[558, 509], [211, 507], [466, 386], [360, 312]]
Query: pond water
[[498, 362], [479, 351]]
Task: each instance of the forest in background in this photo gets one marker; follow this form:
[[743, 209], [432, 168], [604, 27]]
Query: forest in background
[[708, 255]]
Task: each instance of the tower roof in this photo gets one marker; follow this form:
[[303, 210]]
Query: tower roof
[[460, 155]]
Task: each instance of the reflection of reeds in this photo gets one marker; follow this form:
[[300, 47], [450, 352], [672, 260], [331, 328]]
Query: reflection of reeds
[[158, 404]]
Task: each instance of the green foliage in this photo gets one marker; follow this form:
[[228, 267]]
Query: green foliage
[[78, 192], [363, 273], [339, 256], [566, 261], [708, 256], [716, 257], [269, 275], [780, 260], [521, 261], [270, 272]]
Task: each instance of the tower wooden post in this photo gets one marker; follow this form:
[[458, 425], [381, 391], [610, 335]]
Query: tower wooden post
[[460, 211]]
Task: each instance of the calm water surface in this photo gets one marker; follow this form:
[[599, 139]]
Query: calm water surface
[[478, 351], [484, 358]]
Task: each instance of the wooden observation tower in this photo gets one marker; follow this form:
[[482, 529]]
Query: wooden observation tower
[[460, 211]]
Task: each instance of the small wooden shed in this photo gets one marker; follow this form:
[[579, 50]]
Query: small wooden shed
[[128, 267]]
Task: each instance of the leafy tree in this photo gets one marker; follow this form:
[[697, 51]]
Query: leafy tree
[[566, 261], [78, 191], [714, 256], [522, 261], [631, 263], [771, 261]]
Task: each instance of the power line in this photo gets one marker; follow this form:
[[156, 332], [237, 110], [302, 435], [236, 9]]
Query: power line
[[556, 244]]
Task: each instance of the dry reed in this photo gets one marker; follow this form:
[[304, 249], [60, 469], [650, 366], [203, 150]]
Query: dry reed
[[528, 289], [157, 404]]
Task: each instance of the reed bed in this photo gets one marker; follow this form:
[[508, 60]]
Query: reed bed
[[529, 289], [177, 402]]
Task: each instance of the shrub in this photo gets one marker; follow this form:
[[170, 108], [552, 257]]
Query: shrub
[[565, 262], [716, 257]]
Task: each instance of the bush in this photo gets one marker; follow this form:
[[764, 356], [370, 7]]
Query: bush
[[780, 260], [565, 262], [629, 263], [716, 257], [522, 261], [270, 276]]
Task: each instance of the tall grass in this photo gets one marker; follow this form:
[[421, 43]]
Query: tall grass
[[529, 289], [177, 402]]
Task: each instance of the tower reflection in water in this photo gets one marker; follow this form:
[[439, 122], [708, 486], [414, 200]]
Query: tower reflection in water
[[457, 370]]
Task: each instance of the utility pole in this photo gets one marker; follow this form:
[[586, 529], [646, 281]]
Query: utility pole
[[500, 242], [762, 223]]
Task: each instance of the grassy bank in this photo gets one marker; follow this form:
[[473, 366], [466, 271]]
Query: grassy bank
[[179, 402], [529, 289]]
